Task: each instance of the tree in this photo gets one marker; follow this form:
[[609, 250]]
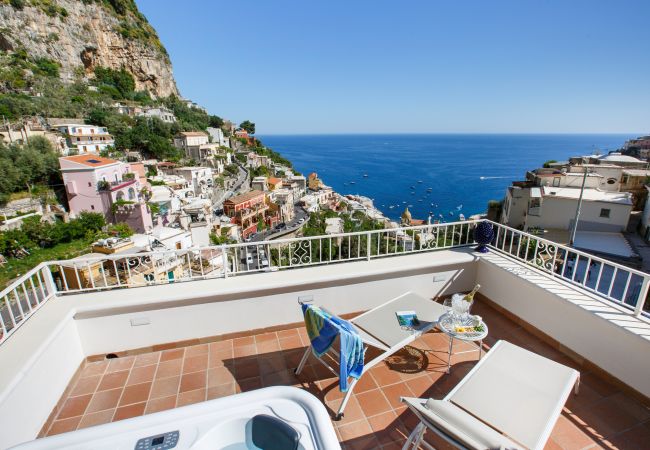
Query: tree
[[216, 121], [248, 126]]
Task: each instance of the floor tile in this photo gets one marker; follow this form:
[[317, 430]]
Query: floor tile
[[221, 375], [104, 400], [165, 387], [142, 374], [98, 418], [160, 404], [193, 381], [190, 397], [195, 350], [86, 385], [126, 412], [373, 402], [74, 406], [65, 425], [222, 390], [195, 363], [147, 359], [120, 364], [169, 368], [169, 355], [135, 394], [113, 380], [94, 368]]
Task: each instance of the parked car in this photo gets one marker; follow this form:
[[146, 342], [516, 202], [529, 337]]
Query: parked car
[[265, 262], [281, 226], [249, 259]]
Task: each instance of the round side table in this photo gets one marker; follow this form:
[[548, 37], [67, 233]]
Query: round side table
[[448, 324]]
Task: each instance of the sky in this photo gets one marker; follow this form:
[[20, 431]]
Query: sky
[[430, 66]]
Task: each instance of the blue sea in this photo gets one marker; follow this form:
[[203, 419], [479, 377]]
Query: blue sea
[[463, 171]]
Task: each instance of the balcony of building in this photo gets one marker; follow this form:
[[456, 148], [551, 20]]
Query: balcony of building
[[211, 334]]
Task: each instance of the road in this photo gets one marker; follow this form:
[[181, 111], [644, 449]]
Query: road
[[240, 185], [291, 226]]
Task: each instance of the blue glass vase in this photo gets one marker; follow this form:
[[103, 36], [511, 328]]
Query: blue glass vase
[[483, 234]]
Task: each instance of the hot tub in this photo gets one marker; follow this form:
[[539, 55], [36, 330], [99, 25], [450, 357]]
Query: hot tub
[[225, 423]]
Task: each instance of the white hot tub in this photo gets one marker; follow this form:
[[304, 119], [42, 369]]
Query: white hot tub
[[224, 423]]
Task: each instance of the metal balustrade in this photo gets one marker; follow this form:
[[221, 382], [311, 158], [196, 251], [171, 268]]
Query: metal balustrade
[[606, 279]]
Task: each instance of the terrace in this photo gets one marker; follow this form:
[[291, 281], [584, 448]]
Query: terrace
[[178, 344]]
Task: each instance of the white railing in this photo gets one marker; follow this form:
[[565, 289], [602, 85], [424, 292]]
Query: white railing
[[24, 297], [609, 280], [615, 282]]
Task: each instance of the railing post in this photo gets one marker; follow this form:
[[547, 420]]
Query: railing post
[[368, 246], [50, 286], [224, 258], [640, 302]]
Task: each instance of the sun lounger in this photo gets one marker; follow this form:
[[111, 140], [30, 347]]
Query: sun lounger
[[379, 328], [510, 399]]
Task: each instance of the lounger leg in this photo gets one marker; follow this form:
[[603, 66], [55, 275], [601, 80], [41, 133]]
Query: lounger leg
[[451, 349], [416, 435], [576, 388], [303, 361], [480, 349], [348, 394]]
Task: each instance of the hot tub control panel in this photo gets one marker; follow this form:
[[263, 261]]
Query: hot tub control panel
[[158, 442]]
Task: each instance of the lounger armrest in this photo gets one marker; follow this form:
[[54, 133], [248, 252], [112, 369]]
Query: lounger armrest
[[459, 425]]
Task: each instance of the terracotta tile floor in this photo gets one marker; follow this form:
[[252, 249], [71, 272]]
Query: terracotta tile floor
[[599, 417]]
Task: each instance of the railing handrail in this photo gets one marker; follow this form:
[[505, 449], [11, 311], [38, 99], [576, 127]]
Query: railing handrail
[[23, 278], [573, 250], [26, 294], [81, 261]]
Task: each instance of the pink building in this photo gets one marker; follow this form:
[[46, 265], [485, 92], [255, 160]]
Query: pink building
[[107, 186]]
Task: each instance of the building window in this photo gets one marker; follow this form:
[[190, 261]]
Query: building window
[[604, 212], [89, 184], [624, 179], [556, 181], [92, 207], [613, 180]]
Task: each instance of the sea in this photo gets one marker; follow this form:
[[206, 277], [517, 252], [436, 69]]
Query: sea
[[442, 175]]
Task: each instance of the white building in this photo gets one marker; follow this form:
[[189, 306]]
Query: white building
[[164, 114], [253, 160], [190, 142], [259, 184], [554, 208], [284, 199], [218, 137], [200, 179], [86, 138]]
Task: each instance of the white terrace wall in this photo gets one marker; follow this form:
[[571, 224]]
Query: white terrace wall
[[594, 329]]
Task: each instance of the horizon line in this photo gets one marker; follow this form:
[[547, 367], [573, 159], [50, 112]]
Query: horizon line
[[454, 133]]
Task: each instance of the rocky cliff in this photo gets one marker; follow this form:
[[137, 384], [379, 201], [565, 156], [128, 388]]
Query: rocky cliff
[[83, 34]]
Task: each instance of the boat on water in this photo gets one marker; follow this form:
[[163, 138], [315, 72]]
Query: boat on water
[[459, 207], [429, 189], [391, 207], [353, 182], [419, 181], [451, 213], [419, 200], [461, 216], [365, 175]]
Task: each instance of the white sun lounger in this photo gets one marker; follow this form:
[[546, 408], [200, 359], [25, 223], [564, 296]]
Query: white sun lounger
[[379, 328], [510, 399]]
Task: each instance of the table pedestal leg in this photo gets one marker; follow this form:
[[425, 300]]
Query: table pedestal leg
[[451, 348], [480, 349]]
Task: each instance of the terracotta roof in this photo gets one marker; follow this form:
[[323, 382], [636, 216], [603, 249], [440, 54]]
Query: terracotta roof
[[274, 180], [90, 160], [245, 197]]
